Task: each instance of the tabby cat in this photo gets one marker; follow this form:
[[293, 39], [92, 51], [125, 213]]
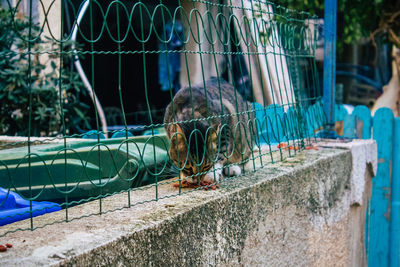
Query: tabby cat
[[206, 132]]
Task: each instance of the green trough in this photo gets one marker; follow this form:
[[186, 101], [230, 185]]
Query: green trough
[[83, 169]]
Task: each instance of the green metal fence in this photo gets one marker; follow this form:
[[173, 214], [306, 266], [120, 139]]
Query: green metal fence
[[95, 78]]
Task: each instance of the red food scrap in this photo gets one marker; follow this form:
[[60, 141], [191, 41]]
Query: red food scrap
[[186, 184], [8, 245], [3, 248], [209, 185], [282, 145]]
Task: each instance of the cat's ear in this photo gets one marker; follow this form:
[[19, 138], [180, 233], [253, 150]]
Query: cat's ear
[[174, 129], [212, 141], [218, 129], [178, 147], [176, 134]]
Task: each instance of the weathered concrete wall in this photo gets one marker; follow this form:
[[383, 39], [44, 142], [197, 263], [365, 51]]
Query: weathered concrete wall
[[297, 212]]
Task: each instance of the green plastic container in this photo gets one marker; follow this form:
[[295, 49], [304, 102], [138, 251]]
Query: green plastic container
[[83, 169]]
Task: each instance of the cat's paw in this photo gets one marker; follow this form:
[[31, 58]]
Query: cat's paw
[[214, 176], [211, 178], [233, 170]]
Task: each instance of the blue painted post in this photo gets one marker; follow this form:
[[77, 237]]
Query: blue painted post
[[395, 205], [330, 60], [349, 126], [377, 243], [363, 115]]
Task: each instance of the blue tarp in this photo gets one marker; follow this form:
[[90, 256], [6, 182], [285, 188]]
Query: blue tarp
[[14, 208]]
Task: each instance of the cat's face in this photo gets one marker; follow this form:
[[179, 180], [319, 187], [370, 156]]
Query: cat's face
[[196, 160]]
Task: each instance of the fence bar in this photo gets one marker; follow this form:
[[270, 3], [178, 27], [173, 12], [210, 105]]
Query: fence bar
[[329, 60], [395, 209]]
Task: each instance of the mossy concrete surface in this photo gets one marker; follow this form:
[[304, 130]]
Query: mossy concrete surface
[[296, 212]]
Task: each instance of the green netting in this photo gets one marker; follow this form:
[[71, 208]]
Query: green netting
[[93, 70]]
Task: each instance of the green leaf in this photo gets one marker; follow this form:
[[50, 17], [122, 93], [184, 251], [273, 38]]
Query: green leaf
[[79, 113]]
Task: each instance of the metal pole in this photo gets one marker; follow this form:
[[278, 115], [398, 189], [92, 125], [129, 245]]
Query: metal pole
[[81, 72], [330, 60], [394, 232]]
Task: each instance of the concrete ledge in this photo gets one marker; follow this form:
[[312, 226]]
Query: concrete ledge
[[7, 142], [298, 211]]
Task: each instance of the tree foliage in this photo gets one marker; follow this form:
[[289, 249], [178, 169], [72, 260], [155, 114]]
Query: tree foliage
[[359, 18], [27, 83]]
